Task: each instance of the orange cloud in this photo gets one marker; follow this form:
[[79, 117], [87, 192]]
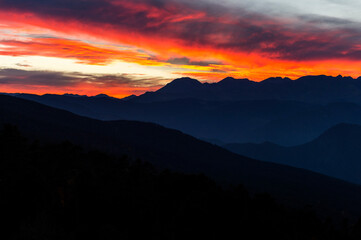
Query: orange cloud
[[65, 48]]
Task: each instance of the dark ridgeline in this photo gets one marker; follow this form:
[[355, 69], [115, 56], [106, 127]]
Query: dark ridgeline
[[337, 153], [277, 110], [60, 191], [312, 89]]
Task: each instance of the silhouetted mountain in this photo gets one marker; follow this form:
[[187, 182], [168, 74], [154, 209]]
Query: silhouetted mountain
[[185, 87], [276, 80], [283, 122], [337, 153], [181, 85], [65, 94], [313, 89], [100, 106], [102, 95], [129, 97], [172, 149], [304, 125]]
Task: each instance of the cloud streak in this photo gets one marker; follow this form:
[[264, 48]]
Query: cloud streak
[[183, 23], [61, 82], [72, 49]]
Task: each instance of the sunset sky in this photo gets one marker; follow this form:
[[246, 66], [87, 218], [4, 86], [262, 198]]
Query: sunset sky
[[123, 47]]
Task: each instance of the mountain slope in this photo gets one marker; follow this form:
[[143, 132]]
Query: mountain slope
[[337, 153], [283, 122], [172, 149], [100, 106], [303, 126]]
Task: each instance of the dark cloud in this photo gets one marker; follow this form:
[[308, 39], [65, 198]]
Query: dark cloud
[[187, 61], [62, 79], [207, 24], [42, 78], [326, 20], [218, 71], [23, 65]]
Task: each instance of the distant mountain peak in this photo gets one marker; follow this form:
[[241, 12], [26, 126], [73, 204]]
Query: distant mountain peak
[[313, 78], [102, 95], [276, 80], [181, 84], [129, 97], [185, 80], [70, 95], [228, 79], [341, 131], [231, 80], [324, 78]]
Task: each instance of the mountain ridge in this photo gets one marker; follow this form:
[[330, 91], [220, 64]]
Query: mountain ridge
[[283, 122], [172, 149], [312, 88], [335, 153], [280, 110], [188, 82]]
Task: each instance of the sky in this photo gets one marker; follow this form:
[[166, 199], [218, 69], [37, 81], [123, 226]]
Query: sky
[[120, 47]]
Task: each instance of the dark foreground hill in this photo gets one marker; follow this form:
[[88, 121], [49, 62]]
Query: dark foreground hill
[[337, 153], [174, 150], [59, 191]]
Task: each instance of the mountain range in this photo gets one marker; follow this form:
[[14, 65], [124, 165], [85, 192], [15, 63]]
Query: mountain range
[[313, 89], [172, 149], [279, 110]]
